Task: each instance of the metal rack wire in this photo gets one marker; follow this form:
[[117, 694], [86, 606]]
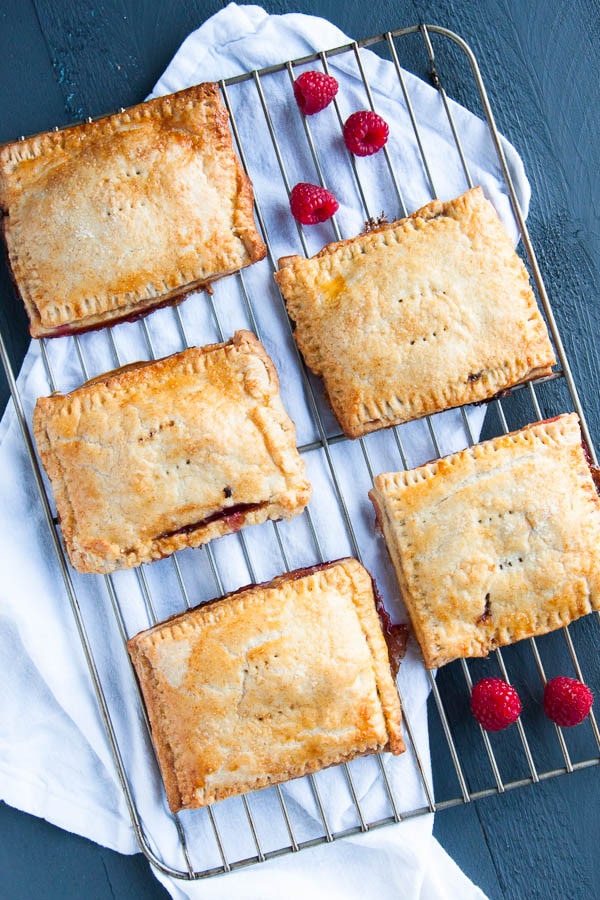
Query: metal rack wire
[[467, 762]]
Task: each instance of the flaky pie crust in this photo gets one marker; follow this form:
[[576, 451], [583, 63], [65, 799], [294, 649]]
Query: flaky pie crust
[[109, 219], [159, 456], [270, 683], [426, 313], [496, 543]]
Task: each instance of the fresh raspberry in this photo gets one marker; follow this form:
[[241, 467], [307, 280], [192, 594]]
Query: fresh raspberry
[[495, 704], [365, 132], [310, 203], [314, 91], [567, 701]]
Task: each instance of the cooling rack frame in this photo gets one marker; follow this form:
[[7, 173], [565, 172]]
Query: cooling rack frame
[[445, 726]]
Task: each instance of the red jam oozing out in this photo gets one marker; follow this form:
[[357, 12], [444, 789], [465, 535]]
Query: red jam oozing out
[[134, 316], [396, 636], [233, 515]]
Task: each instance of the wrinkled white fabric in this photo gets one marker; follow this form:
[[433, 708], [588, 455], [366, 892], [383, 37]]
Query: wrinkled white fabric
[[55, 761]]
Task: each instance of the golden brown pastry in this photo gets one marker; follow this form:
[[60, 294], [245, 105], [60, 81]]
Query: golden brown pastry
[[426, 313], [158, 456], [109, 219], [269, 683], [496, 543]]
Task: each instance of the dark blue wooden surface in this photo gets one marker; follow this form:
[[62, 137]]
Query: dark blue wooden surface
[[64, 59]]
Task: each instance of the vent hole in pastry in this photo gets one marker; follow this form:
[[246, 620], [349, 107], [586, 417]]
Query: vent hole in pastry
[[152, 431], [427, 337], [487, 609]]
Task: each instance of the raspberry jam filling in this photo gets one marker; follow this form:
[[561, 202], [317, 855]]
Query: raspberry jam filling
[[233, 515], [396, 636], [133, 316]]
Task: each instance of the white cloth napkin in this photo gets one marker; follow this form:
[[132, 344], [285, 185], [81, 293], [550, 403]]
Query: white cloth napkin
[[55, 761]]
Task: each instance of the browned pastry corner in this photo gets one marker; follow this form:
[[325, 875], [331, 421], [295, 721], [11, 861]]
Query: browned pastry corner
[[270, 683], [426, 313], [159, 456], [107, 220], [495, 543]]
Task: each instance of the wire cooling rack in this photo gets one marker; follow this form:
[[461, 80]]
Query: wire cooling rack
[[466, 762]]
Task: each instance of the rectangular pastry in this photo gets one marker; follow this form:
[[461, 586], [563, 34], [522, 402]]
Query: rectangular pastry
[[426, 313], [109, 219], [162, 455], [495, 543], [269, 683]]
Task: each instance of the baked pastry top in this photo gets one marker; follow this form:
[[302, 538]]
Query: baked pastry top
[[496, 543], [269, 683], [158, 456], [109, 219], [426, 313]]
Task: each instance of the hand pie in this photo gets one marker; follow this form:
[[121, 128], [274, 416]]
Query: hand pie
[[158, 456], [426, 313], [496, 543], [269, 683], [107, 220]]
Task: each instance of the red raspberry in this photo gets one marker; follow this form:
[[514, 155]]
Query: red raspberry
[[567, 701], [495, 704], [310, 203], [314, 91], [365, 132]]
